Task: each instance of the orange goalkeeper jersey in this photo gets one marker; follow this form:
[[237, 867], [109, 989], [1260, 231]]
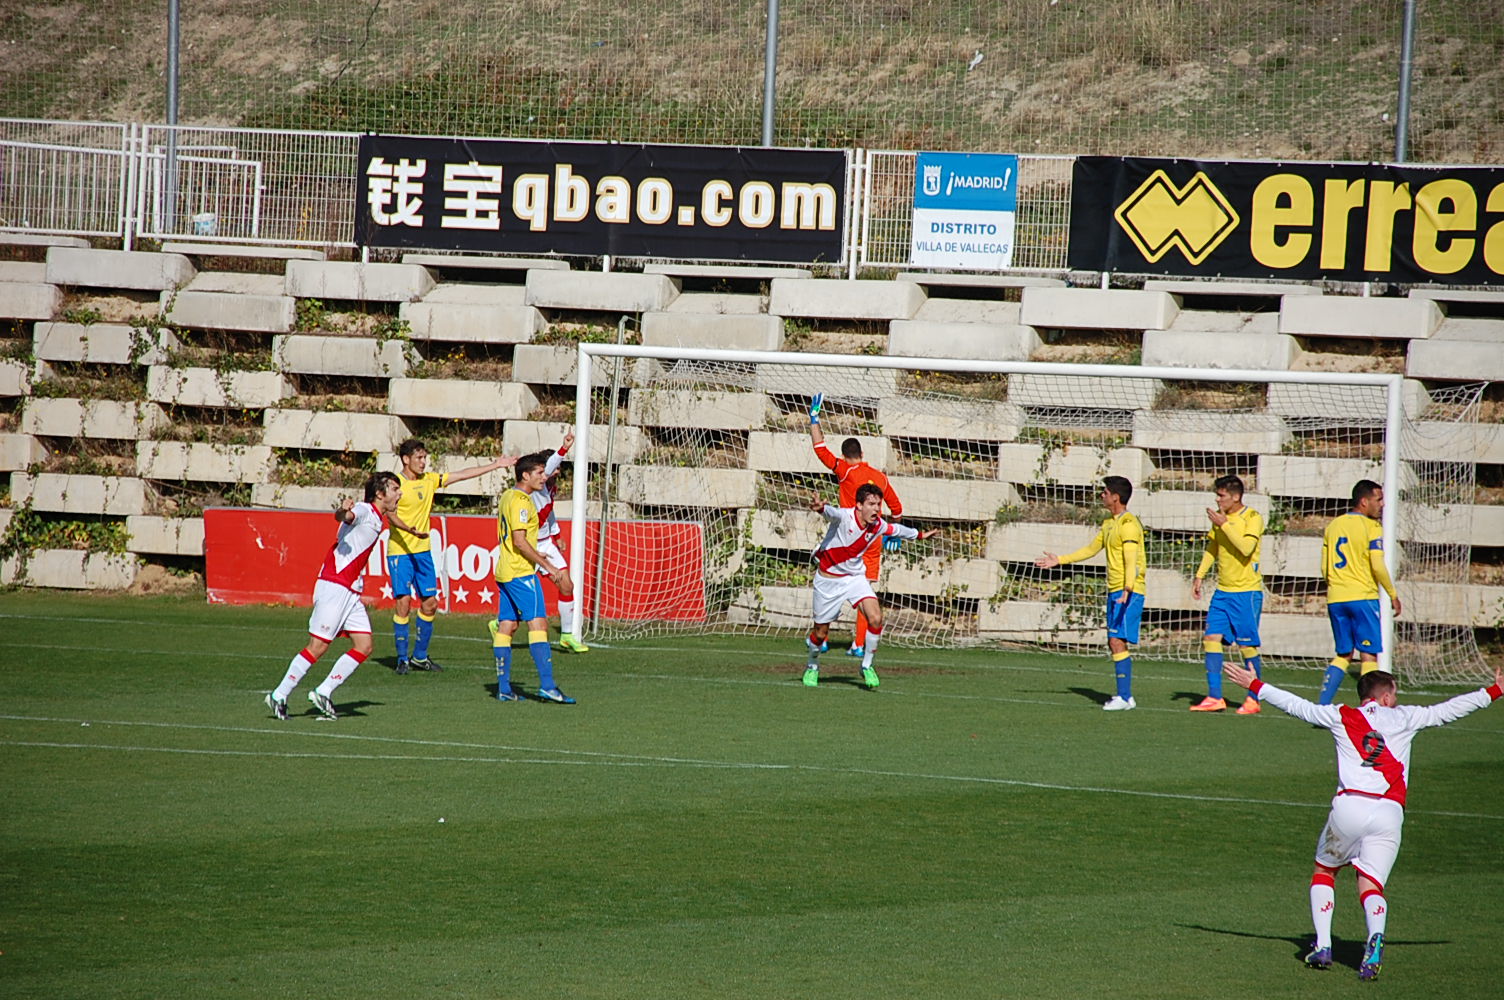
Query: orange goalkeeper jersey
[[853, 475]]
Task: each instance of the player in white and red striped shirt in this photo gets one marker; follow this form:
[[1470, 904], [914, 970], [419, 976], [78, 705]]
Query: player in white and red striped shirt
[[548, 548], [1368, 811], [337, 606], [841, 574]]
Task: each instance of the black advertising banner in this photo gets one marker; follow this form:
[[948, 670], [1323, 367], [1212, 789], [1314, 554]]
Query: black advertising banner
[[1344, 221], [588, 198]]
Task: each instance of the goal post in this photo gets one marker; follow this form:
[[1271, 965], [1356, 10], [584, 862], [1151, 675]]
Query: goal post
[[693, 469]]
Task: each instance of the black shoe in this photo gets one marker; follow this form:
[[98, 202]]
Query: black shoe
[[426, 664], [403, 668]]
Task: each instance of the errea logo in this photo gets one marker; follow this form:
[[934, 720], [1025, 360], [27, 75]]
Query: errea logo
[[1160, 216]]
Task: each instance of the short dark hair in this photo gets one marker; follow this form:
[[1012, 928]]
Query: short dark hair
[[1375, 683], [527, 463], [1363, 489], [409, 447], [1118, 486], [868, 490], [1231, 484], [851, 448], [379, 482]]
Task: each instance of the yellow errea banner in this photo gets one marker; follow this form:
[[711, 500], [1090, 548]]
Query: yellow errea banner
[[1240, 219]]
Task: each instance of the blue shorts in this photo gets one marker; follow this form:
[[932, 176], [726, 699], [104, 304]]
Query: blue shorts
[[1355, 625], [1123, 619], [412, 573], [1234, 615], [521, 600]]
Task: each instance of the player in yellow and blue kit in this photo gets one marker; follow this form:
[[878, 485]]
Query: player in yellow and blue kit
[[519, 566], [1233, 545], [409, 559], [1123, 537], [1352, 563]]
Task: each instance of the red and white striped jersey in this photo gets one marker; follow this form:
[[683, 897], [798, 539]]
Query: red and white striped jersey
[[548, 525], [1373, 742], [346, 562], [845, 543]]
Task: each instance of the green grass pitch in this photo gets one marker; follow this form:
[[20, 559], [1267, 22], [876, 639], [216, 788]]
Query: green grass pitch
[[699, 825]]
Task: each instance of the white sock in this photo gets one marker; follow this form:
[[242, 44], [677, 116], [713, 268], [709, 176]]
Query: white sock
[[1375, 912], [814, 653], [340, 672], [870, 648], [295, 671], [1323, 900], [566, 617]]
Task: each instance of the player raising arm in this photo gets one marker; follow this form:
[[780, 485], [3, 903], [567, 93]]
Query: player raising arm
[[1123, 537], [840, 576], [409, 559], [548, 548], [1368, 812], [1352, 563], [337, 607], [518, 568], [852, 471]]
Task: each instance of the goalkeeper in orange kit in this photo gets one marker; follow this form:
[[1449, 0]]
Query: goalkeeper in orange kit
[[852, 472]]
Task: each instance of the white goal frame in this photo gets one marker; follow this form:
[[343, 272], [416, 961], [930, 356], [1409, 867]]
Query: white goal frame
[[589, 353]]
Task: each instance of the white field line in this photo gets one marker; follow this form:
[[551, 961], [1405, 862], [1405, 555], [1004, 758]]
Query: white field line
[[588, 758]]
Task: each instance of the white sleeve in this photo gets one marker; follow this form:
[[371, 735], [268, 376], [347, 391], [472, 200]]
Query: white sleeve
[[830, 513], [1425, 716], [901, 530], [1325, 716], [554, 462]]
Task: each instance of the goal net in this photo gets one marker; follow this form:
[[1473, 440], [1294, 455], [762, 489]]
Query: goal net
[[699, 473]]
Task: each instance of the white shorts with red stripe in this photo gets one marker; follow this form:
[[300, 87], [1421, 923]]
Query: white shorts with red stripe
[[833, 592], [1363, 832], [550, 552], [337, 609]]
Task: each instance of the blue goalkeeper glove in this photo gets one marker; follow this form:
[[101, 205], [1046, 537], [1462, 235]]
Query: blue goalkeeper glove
[[814, 407], [892, 543]]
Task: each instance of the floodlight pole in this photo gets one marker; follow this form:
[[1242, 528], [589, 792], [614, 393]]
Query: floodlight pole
[[170, 181], [770, 74], [1402, 113]]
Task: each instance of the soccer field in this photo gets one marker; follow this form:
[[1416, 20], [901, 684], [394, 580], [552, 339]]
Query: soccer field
[[699, 825]]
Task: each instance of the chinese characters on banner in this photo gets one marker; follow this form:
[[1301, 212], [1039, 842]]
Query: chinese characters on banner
[[525, 196], [964, 209]]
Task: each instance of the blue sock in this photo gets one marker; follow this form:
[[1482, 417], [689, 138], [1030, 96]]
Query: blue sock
[[1331, 682], [1213, 668], [1124, 670], [425, 633], [1256, 664], [503, 668], [543, 658], [399, 633]]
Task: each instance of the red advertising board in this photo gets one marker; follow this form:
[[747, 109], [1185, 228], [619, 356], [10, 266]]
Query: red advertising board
[[651, 569]]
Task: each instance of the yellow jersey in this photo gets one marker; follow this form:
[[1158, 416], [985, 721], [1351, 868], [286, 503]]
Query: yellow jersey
[[514, 512], [1235, 548], [1352, 559], [1123, 538], [414, 509]]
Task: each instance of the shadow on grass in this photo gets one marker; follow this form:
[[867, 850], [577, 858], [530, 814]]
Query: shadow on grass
[[1344, 953], [344, 709], [1091, 694]]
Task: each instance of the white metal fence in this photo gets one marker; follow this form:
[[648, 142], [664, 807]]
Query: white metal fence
[[297, 188]]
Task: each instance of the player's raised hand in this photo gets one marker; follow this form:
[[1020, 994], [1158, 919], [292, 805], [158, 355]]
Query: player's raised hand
[[931, 533], [568, 442], [815, 502], [1238, 674], [507, 461], [814, 407], [1047, 561]]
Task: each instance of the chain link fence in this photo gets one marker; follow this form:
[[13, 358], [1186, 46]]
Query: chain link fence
[[1204, 78]]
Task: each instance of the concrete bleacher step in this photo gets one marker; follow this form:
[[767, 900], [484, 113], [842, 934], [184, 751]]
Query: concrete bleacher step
[[1356, 316], [255, 251], [134, 269], [485, 262]]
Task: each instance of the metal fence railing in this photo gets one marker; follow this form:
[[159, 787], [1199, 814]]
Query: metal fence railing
[[64, 177]]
